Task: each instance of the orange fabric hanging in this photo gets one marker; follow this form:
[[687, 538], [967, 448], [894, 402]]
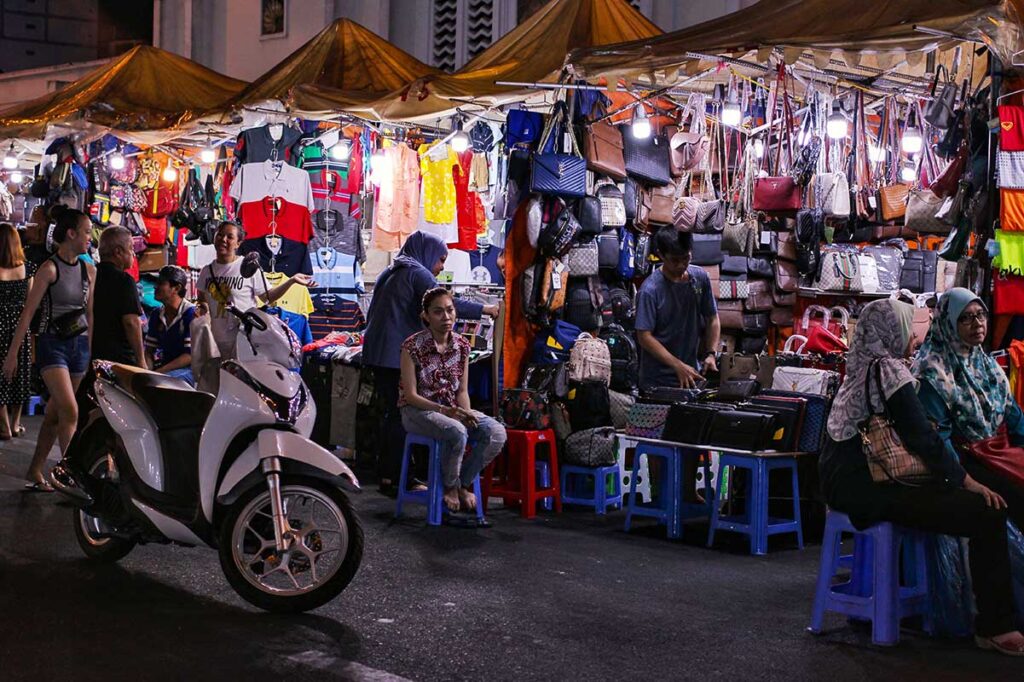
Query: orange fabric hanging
[[1016, 351], [519, 333]]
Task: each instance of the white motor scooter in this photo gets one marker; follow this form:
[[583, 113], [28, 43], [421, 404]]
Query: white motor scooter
[[162, 462]]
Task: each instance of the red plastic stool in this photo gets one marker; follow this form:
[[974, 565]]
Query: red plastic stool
[[518, 481]]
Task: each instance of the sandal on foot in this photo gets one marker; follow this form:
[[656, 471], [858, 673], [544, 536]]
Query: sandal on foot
[[990, 644], [38, 487]]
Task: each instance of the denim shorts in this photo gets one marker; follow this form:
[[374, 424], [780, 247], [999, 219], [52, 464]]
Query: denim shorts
[[73, 354]]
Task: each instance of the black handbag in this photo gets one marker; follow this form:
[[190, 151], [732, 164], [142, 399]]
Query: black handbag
[[608, 249], [737, 389], [733, 265], [647, 159], [753, 345], [668, 395], [756, 323], [557, 236], [741, 430], [629, 198], [760, 267], [919, 271], [588, 213], [688, 423], [707, 250], [789, 416], [589, 404], [939, 112]]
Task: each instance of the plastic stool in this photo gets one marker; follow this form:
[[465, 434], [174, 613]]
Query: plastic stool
[[873, 592], [433, 495], [519, 481], [666, 510], [574, 479], [35, 405], [544, 481], [643, 486], [755, 521]]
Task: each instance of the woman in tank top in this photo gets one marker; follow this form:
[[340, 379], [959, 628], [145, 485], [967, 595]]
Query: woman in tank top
[[61, 290]]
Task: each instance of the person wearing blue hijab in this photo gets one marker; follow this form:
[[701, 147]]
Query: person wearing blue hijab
[[394, 316]]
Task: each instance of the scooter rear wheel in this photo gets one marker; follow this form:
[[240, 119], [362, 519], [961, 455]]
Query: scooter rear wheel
[[324, 556], [90, 531]]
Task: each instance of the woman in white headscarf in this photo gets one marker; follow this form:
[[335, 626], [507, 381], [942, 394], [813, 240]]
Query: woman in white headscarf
[[953, 504]]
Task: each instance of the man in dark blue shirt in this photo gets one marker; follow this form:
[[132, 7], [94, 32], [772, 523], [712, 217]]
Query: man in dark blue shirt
[[675, 309], [168, 341]]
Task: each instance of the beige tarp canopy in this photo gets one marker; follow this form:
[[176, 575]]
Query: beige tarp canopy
[[534, 51], [352, 61], [144, 95], [863, 36]]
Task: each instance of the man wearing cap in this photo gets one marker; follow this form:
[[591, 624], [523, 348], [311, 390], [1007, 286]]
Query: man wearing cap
[[168, 341]]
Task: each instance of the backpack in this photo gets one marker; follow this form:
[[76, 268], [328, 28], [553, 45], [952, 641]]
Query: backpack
[[553, 345], [624, 358], [589, 404], [590, 359], [582, 303], [627, 254]]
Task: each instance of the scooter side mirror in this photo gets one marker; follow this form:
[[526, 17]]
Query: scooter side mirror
[[250, 264]]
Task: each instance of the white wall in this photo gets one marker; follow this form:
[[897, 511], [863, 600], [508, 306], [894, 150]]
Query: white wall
[[21, 86]]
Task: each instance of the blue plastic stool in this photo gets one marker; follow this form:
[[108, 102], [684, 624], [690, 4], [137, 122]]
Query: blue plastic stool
[[544, 481], [874, 591], [574, 481], [432, 496], [35, 405], [667, 508], [755, 521]]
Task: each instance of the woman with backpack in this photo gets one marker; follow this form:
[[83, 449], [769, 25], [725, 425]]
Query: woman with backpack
[[62, 293]]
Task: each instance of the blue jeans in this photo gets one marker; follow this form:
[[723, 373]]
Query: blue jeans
[[488, 438], [184, 373]]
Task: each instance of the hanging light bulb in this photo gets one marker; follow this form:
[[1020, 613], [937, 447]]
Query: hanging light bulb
[[876, 154], [459, 140], [908, 171], [116, 160], [17, 177], [341, 150], [208, 154], [379, 167], [759, 147], [837, 126], [732, 115], [913, 141], [170, 173], [641, 126], [11, 159]]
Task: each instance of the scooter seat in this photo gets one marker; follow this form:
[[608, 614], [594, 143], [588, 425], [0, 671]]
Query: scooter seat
[[171, 402]]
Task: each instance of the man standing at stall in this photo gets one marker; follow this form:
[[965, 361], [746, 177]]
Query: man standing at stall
[[675, 309]]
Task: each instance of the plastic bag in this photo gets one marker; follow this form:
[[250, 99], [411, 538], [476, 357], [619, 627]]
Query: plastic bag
[[952, 602]]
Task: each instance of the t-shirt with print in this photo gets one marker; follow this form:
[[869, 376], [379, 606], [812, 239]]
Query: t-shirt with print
[[223, 284], [256, 181], [675, 314], [295, 300], [438, 373], [257, 144]]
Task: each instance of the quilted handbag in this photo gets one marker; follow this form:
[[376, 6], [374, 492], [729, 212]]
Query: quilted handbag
[[805, 380], [833, 193], [646, 420], [591, 447], [613, 205], [1010, 166], [604, 150], [684, 213], [892, 201], [710, 217], [647, 159], [740, 239], [777, 195], [558, 174], [524, 409], [707, 249], [582, 259], [621, 403], [840, 271]]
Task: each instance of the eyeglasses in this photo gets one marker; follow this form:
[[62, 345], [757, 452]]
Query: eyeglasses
[[970, 318]]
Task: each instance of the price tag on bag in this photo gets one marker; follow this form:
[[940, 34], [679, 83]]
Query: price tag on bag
[[556, 280]]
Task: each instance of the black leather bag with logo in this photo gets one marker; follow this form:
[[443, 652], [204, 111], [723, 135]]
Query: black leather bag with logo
[[688, 423], [741, 429], [588, 213], [648, 159], [557, 236]]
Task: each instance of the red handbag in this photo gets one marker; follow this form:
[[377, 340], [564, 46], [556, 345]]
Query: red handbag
[[777, 195], [821, 341], [1007, 294], [998, 455], [945, 185]]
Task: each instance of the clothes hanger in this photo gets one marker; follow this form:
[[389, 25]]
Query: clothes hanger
[[276, 131]]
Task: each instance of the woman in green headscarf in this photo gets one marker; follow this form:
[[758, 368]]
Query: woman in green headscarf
[[965, 392]]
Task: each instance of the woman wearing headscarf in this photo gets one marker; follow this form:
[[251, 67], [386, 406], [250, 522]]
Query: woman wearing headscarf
[[954, 504], [965, 392], [394, 316]]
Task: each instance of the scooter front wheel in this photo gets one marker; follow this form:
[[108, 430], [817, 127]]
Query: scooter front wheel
[[325, 546]]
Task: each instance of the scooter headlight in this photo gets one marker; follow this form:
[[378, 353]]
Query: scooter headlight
[[286, 409]]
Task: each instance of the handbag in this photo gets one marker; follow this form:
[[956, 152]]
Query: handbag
[[646, 420], [549, 380], [998, 455], [777, 195], [732, 287], [554, 279], [1007, 293], [588, 213], [740, 238], [582, 259], [922, 206], [805, 380], [833, 193], [785, 245], [759, 296], [889, 262], [868, 273], [643, 208], [781, 316], [743, 366], [608, 247], [707, 249], [755, 323], [741, 429], [919, 271], [688, 423], [554, 173], [892, 201], [945, 185], [684, 213], [589, 404], [663, 205], [523, 128], [888, 459], [604, 150], [730, 314], [822, 341], [594, 447], [690, 148], [939, 112], [787, 278], [524, 409], [647, 159], [710, 217], [760, 267], [613, 206], [626, 268], [556, 237], [840, 271]]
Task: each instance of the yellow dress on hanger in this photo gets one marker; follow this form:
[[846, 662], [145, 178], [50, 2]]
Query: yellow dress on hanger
[[438, 184]]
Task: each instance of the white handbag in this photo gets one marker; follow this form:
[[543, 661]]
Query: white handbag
[[1010, 167], [868, 273], [833, 192], [805, 380], [840, 271]]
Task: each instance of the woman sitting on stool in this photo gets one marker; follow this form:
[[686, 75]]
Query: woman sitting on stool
[[434, 400]]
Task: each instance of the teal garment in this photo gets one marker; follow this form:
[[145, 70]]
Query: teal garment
[[972, 387], [938, 413], [147, 293]]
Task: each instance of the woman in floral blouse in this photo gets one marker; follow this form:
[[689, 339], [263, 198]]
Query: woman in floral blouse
[[434, 400]]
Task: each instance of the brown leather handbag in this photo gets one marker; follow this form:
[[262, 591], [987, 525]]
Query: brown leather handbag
[[730, 314], [644, 204], [949, 179], [603, 149], [786, 276], [786, 246], [759, 296], [883, 232], [892, 201], [662, 203]]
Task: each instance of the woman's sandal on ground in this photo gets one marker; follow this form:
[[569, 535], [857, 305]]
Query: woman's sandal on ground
[[990, 644], [38, 487]]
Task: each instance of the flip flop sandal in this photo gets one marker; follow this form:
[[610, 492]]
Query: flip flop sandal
[[38, 487], [989, 644]]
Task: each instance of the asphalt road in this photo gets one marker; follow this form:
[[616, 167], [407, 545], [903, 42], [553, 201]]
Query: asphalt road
[[569, 597]]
